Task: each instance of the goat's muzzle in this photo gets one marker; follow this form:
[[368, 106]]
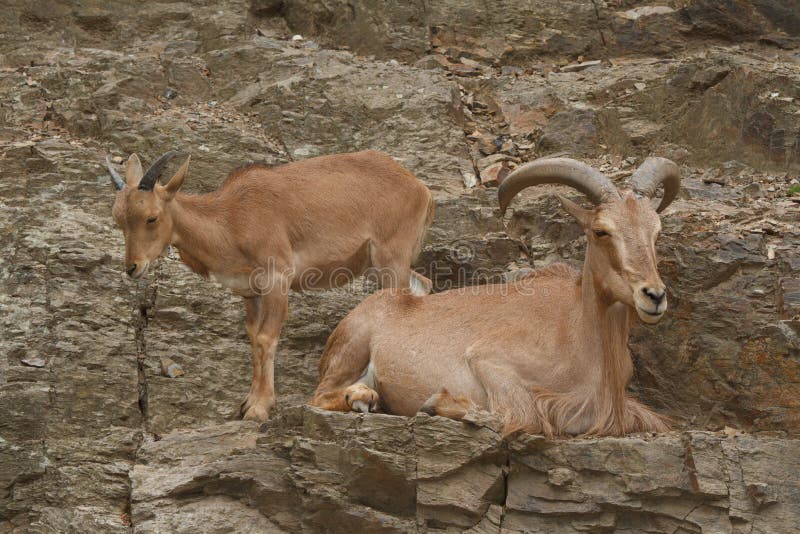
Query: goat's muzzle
[[650, 302], [137, 270]]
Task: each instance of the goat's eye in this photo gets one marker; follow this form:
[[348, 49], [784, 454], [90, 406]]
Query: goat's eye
[[600, 233], [151, 220]]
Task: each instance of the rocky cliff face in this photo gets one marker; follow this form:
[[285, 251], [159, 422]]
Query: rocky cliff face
[[94, 437]]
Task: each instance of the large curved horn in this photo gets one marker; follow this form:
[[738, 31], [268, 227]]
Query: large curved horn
[[152, 175], [651, 174], [566, 171], [116, 179]]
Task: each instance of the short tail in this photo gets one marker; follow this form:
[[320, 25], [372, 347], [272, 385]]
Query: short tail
[[423, 231]]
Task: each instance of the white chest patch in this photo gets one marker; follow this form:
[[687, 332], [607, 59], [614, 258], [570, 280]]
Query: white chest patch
[[369, 377]]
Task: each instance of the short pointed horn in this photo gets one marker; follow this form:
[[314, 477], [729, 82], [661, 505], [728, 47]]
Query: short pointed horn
[[152, 175], [653, 173], [116, 179], [565, 171]]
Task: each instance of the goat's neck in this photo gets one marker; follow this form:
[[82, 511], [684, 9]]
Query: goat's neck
[[610, 321], [197, 231]]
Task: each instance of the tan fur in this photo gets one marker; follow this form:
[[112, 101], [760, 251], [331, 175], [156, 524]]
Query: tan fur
[[312, 224], [547, 353], [446, 405]]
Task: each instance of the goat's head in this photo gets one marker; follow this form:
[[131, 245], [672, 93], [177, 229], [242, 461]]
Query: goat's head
[[141, 210], [621, 229]]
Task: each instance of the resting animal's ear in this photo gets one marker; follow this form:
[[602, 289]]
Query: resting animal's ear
[[133, 171], [584, 217], [176, 181]]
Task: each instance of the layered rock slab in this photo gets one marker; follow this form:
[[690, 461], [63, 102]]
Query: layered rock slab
[[333, 472]]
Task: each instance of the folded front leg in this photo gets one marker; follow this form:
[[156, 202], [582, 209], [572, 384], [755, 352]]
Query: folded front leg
[[356, 397]]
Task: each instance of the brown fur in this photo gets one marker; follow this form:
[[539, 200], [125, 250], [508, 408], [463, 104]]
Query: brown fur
[[547, 353], [267, 226]]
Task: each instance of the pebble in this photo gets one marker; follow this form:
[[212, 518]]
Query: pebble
[[170, 368], [170, 93], [508, 69], [486, 146], [432, 61], [580, 66], [464, 70], [33, 361], [494, 174], [753, 190], [469, 178], [488, 161]]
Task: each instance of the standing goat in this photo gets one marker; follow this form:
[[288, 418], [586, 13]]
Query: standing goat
[[312, 224], [553, 357]]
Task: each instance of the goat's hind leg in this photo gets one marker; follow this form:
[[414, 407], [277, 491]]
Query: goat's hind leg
[[519, 407], [346, 375], [446, 405], [391, 268]]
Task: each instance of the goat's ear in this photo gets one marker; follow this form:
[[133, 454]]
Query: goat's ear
[[133, 171], [584, 217], [176, 181]]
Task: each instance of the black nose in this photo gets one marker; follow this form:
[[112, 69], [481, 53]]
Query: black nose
[[656, 295], [130, 270]]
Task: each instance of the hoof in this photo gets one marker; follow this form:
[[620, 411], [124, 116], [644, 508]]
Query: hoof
[[257, 413], [360, 398], [255, 409]]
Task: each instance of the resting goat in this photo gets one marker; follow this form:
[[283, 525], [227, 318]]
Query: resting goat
[[548, 353], [311, 224]]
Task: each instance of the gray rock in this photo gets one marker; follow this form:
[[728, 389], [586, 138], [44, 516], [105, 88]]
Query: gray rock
[[170, 368], [33, 361], [583, 65], [379, 472]]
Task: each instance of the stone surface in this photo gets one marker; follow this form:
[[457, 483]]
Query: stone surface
[[99, 440], [323, 471]]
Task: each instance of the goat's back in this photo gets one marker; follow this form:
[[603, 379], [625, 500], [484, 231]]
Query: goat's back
[[325, 210]]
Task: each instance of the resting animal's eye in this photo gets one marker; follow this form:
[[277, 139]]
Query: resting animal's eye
[[151, 220], [600, 233]]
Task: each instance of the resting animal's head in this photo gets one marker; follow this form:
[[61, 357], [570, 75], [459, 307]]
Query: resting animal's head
[[621, 230], [141, 210]]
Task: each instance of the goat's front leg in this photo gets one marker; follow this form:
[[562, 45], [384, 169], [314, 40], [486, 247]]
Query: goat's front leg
[[356, 397], [265, 316]]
